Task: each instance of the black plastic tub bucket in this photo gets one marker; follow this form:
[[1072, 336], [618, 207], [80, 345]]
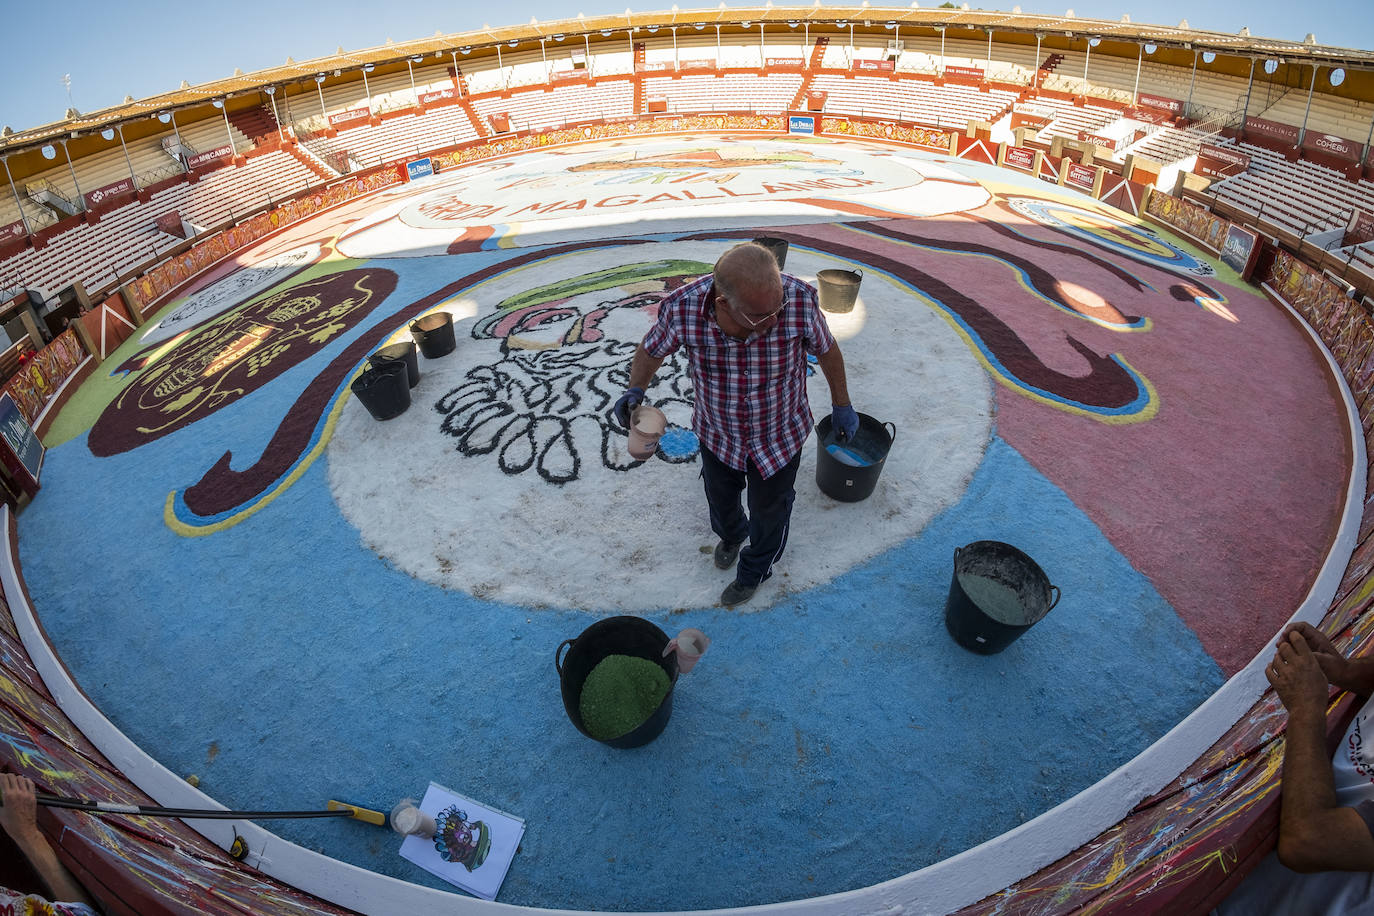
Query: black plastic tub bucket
[[615, 636], [434, 334], [995, 594], [384, 390], [403, 351], [777, 246], [849, 471]]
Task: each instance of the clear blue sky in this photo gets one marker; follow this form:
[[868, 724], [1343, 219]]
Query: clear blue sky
[[114, 49]]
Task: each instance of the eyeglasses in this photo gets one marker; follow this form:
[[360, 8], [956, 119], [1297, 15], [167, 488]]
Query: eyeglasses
[[753, 322]]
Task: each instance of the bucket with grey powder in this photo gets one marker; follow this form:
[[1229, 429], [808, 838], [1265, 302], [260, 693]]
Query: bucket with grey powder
[[996, 593]]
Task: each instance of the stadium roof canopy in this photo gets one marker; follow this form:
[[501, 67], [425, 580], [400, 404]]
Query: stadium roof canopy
[[861, 18]]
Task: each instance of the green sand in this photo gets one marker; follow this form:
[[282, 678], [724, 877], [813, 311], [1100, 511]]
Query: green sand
[[620, 694]]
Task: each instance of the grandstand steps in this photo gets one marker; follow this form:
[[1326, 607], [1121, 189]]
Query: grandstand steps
[[817, 54], [258, 125], [303, 154], [639, 60], [1050, 63], [465, 102]]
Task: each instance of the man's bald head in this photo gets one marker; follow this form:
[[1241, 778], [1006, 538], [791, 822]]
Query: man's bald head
[[747, 272]]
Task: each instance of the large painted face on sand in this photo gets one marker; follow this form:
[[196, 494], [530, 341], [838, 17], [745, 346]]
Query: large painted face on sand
[[542, 403], [521, 435]]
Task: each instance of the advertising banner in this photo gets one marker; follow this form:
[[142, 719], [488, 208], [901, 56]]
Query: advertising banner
[[419, 168], [13, 231], [875, 65], [213, 155], [1272, 129], [970, 73], [801, 124], [439, 95], [122, 186], [170, 223], [1081, 176], [1220, 162], [1097, 139], [784, 62], [1238, 251], [1020, 157], [1163, 103], [348, 117], [1330, 143], [559, 76], [1361, 229]]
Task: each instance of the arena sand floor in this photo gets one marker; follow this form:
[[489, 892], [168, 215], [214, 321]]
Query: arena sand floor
[[265, 587]]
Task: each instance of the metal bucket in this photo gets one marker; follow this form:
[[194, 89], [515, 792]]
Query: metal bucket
[[839, 289]]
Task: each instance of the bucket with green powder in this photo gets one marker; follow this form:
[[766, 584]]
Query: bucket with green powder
[[996, 594], [617, 685]]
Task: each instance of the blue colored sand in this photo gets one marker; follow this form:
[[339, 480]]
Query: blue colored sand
[[836, 739]]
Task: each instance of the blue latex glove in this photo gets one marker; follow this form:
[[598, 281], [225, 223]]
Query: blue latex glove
[[631, 399], [845, 421]]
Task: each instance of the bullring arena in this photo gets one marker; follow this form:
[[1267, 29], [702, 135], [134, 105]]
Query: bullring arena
[[1114, 305]]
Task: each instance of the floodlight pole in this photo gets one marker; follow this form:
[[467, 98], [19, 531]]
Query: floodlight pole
[[71, 168], [1302, 134], [1191, 83], [17, 202], [1139, 62], [119, 128]]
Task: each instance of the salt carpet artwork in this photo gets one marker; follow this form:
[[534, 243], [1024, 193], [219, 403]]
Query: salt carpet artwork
[[299, 582]]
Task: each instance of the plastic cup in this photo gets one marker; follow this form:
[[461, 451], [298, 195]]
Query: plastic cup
[[647, 425], [690, 646], [408, 820]]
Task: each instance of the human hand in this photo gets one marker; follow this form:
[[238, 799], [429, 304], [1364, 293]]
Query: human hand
[[845, 421], [1296, 676], [1333, 664], [631, 399], [18, 806]]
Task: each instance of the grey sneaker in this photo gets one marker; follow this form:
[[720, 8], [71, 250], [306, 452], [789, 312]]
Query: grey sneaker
[[726, 554], [735, 593]]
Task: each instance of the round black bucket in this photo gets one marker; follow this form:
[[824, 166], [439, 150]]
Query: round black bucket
[[848, 471], [615, 636], [996, 594], [777, 246], [434, 334], [403, 351], [384, 390]]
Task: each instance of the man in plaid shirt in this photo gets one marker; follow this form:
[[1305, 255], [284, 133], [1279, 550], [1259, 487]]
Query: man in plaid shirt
[[747, 329]]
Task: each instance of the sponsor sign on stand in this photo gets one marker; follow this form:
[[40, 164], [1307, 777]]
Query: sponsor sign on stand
[[1273, 129], [874, 65], [702, 64], [785, 62], [969, 73], [657, 65], [1361, 230], [14, 230], [419, 168], [439, 94], [1239, 248], [1220, 162], [94, 198], [1081, 176], [558, 77], [1173, 106], [213, 155], [1330, 143], [1148, 115], [170, 223], [1020, 157], [348, 117], [801, 124], [1096, 139]]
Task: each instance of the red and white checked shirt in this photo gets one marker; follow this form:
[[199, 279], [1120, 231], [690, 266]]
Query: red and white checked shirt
[[750, 395]]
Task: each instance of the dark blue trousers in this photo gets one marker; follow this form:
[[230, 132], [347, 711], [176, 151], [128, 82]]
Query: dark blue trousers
[[770, 511]]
